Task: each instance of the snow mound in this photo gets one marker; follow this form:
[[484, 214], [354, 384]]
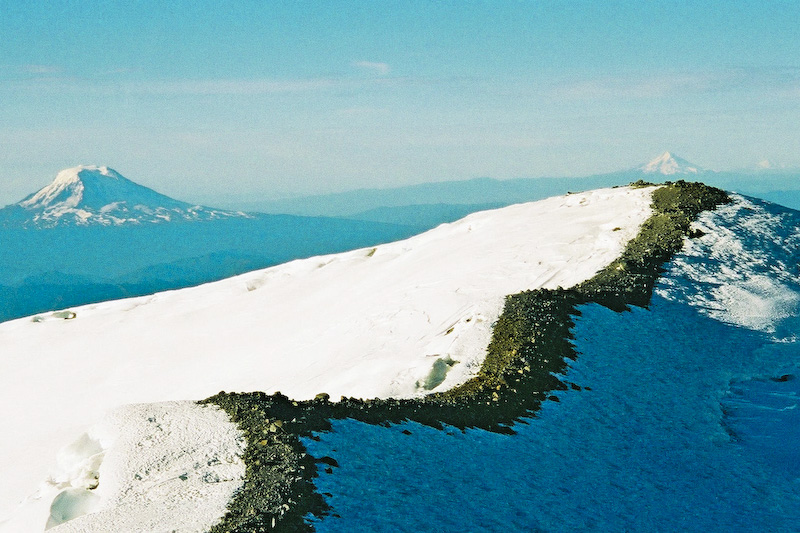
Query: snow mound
[[143, 468]]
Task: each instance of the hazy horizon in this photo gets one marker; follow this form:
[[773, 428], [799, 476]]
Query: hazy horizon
[[199, 100]]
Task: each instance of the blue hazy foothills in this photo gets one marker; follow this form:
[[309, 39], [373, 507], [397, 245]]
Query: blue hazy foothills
[[215, 102]]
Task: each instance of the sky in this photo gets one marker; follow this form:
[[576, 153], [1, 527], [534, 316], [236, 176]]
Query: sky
[[223, 100]]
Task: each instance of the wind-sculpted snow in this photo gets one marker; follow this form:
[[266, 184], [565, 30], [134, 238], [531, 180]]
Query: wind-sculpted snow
[[744, 268]]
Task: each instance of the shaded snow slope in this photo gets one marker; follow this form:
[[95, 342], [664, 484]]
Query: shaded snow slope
[[644, 450], [92, 195], [744, 270], [372, 322]]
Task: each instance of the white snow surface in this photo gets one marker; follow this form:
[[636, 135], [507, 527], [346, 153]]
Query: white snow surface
[[67, 188], [150, 467], [366, 323]]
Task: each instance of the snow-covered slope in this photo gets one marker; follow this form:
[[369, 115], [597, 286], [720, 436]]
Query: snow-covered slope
[[744, 271], [685, 416], [367, 323], [92, 195], [667, 165]]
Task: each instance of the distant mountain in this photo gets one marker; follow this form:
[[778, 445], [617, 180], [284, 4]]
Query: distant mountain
[[778, 185], [100, 196], [668, 165]]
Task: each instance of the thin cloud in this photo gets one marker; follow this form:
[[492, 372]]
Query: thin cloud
[[360, 112], [637, 86], [41, 69], [237, 87], [204, 87], [642, 86], [381, 69], [208, 87]]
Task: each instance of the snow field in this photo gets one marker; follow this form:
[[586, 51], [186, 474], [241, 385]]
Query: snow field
[[397, 320], [150, 467]]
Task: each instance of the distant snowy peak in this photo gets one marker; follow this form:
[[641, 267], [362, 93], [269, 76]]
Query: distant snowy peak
[[87, 185], [668, 164], [89, 195]]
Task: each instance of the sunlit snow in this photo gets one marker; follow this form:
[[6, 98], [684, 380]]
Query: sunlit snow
[[170, 466], [668, 164]]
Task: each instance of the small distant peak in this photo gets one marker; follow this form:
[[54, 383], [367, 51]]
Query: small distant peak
[[668, 164], [768, 164]]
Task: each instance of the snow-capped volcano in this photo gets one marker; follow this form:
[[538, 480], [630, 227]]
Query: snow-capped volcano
[[668, 164], [98, 195]]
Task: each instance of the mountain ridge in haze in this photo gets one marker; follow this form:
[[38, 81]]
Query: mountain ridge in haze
[[437, 200], [483, 193]]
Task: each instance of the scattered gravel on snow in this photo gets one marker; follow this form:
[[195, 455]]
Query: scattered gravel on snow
[[151, 467]]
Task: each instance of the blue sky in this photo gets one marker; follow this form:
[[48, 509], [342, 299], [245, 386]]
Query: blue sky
[[205, 100]]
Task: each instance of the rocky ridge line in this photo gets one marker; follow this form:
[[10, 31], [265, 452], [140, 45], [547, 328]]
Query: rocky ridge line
[[529, 348]]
